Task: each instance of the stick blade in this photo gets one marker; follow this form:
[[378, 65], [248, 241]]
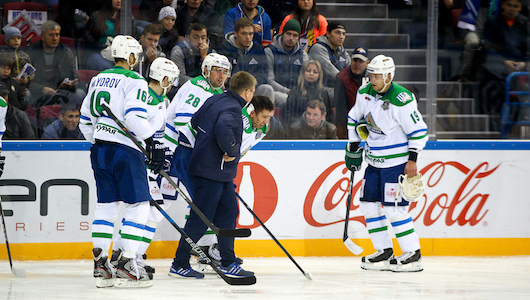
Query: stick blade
[[18, 272], [354, 248], [243, 232], [308, 275], [240, 281]]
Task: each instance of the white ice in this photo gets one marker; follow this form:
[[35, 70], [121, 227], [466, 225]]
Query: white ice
[[278, 278]]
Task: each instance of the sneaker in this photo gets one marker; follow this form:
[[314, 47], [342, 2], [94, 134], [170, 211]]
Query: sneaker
[[215, 254], [103, 271], [407, 262], [185, 273], [141, 263], [378, 261], [129, 274], [235, 270]]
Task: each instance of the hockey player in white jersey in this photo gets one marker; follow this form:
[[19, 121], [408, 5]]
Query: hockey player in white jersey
[[256, 116], [192, 94], [386, 115], [162, 74], [119, 166]]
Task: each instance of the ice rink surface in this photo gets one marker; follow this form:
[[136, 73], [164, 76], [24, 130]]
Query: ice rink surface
[[503, 278]]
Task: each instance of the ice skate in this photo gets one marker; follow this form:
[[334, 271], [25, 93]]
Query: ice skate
[[103, 271], [407, 262], [116, 255], [130, 275], [140, 260], [378, 261]]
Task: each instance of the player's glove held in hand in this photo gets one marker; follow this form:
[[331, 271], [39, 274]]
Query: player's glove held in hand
[[353, 158], [155, 155]]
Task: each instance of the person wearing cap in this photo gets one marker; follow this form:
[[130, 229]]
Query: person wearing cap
[[330, 52], [348, 82], [254, 12], [13, 40], [170, 35], [285, 58]]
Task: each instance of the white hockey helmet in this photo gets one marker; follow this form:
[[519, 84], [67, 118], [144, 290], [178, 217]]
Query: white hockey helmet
[[162, 67], [410, 188], [124, 45], [215, 60], [382, 65]]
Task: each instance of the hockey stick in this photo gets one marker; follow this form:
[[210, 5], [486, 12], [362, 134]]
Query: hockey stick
[[230, 280], [306, 274], [354, 248], [244, 232], [15, 271]]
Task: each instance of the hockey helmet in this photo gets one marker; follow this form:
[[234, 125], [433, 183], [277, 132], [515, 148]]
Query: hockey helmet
[[215, 60], [124, 45], [410, 188], [162, 67], [382, 64]]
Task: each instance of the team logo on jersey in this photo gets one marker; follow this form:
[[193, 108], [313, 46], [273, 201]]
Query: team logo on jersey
[[372, 126], [253, 61], [203, 83], [404, 97], [297, 62], [386, 104]]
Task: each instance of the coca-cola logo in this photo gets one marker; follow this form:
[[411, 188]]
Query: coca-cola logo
[[258, 190], [465, 206]]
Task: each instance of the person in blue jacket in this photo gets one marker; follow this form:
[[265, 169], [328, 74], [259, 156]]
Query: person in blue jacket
[[261, 21], [213, 166]]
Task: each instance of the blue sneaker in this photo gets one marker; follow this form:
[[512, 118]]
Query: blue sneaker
[[185, 273], [235, 270]]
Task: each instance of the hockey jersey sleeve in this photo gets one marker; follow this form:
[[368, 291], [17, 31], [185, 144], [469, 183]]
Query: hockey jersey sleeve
[[87, 121], [135, 109], [411, 121], [3, 112], [355, 115]]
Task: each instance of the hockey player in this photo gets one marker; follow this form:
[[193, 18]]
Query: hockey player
[[395, 133], [256, 116], [162, 74], [119, 166]]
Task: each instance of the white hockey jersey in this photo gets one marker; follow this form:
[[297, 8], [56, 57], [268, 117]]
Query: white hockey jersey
[[126, 93], [3, 113], [190, 97], [251, 136], [156, 106], [394, 125]]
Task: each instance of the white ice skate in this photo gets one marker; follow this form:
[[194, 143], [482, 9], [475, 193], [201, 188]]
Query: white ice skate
[[379, 261], [407, 262], [130, 275]]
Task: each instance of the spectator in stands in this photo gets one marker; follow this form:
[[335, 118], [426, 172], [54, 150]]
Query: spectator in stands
[[312, 125], [55, 63], [66, 127], [348, 82], [194, 12], [17, 125], [16, 92], [149, 41], [189, 54], [330, 52], [170, 35], [278, 10], [255, 13], [285, 59], [13, 39], [150, 9], [309, 88], [313, 23], [505, 40], [246, 55], [106, 22]]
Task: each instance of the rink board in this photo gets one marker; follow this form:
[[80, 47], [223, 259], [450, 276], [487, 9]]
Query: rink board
[[476, 202]]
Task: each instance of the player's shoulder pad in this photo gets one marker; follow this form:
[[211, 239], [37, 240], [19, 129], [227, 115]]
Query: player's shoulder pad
[[400, 96], [367, 89]]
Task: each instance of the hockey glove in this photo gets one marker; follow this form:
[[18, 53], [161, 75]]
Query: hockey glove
[[2, 163], [353, 158], [362, 129], [155, 155]]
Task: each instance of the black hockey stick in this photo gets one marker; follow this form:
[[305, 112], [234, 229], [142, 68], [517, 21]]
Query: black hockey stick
[[354, 248], [243, 232], [230, 280], [306, 274], [15, 271]]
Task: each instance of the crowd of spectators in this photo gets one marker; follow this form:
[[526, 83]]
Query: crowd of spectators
[[297, 57]]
